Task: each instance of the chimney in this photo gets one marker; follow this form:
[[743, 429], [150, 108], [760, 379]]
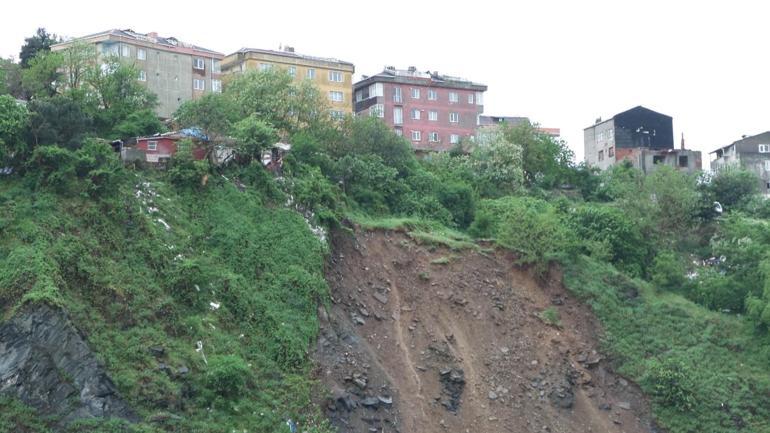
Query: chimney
[[390, 68], [153, 35], [412, 69], [682, 146], [288, 49], [598, 120]]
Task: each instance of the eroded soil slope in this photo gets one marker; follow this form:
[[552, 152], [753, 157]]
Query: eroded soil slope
[[423, 339]]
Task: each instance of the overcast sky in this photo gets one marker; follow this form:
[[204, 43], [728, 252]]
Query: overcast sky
[[560, 63]]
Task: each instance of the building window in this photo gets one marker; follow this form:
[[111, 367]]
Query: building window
[[416, 136], [216, 66], [432, 95], [398, 115], [600, 137], [216, 86], [359, 95], [152, 145], [470, 98], [767, 165], [764, 148], [199, 84], [454, 139], [198, 63], [454, 117], [377, 110], [415, 93], [311, 74], [292, 70], [658, 159], [125, 50], [336, 76], [433, 137], [337, 115], [683, 161], [335, 96], [397, 95], [611, 152], [433, 115], [479, 98], [610, 134], [415, 114], [453, 98], [265, 67], [399, 132], [375, 90], [142, 76], [601, 155], [141, 54]]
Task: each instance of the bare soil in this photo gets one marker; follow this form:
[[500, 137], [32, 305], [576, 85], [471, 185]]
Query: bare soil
[[425, 339]]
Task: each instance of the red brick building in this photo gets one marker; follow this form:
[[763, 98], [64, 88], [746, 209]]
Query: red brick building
[[433, 111]]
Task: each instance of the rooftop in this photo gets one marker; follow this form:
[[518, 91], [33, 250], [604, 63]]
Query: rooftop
[[170, 43], [412, 75], [289, 52]]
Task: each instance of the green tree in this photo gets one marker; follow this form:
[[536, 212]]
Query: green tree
[[253, 136], [497, 163], [41, 41], [138, 123], [546, 161], [115, 94], [214, 114], [732, 187], [78, 61], [42, 75], [58, 120], [10, 78], [13, 123]]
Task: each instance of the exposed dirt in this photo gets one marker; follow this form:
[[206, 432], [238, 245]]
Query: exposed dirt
[[414, 345]]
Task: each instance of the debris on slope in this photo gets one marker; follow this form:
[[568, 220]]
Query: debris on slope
[[460, 347]]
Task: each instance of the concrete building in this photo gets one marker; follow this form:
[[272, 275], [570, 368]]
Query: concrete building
[[333, 77], [492, 122], [433, 111], [750, 153], [641, 136], [174, 70]]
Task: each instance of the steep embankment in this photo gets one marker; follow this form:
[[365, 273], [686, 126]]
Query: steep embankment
[[424, 339]]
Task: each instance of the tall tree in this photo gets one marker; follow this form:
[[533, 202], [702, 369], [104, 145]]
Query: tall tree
[[10, 78], [40, 41], [42, 75], [13, 121]]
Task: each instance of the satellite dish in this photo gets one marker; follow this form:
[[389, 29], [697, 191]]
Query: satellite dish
[[718, 207]]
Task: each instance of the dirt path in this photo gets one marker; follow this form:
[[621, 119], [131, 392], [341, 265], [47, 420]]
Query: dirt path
[[416, 344]]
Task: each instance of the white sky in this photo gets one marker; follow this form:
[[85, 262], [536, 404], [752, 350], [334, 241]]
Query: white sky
[[560, 63]]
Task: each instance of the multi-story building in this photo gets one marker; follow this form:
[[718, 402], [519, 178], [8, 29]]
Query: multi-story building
[[433, 111], [750, 153], [333, 77], [174, 70], [641, 136]]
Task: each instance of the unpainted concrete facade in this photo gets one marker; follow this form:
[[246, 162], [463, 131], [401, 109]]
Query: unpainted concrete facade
[[175, 71], [750, 153]]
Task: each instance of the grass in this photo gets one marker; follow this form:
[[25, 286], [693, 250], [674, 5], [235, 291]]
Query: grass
[[422, 231], [550, 316], [719, 357], [443, 260]]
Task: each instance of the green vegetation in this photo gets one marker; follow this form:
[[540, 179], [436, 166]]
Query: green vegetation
[[222, 266]]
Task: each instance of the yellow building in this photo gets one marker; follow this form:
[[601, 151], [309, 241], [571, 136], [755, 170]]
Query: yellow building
[[333, 77]]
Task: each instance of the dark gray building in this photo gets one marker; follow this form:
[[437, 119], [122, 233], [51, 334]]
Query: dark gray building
[[750, 153], [640, 135]]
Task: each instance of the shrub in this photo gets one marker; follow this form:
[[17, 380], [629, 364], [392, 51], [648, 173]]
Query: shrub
[[458, 199], [671, 384], [668, 271], [227, 375], [718, 291]]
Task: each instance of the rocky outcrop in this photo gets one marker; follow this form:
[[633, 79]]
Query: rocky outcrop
[[45, 362]]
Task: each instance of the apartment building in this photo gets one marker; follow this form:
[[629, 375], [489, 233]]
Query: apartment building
[[639, 135], [431, 110], [176, 71], [487, 123], [333, 77], [750, 153]]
